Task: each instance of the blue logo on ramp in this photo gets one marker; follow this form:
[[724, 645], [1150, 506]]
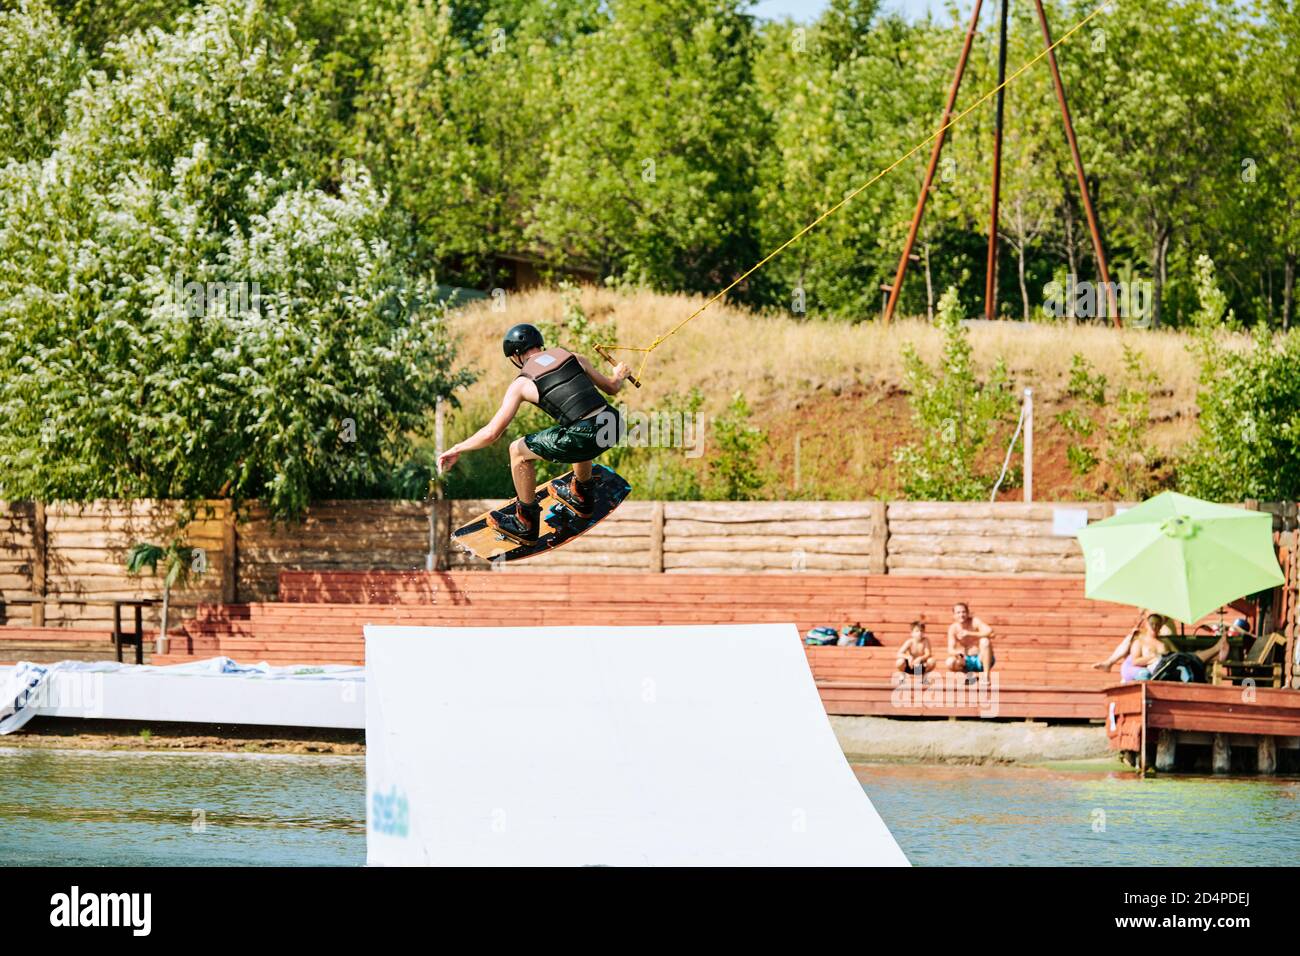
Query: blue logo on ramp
[[390, 813]]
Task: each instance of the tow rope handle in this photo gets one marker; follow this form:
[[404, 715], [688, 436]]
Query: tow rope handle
[[600, 349]]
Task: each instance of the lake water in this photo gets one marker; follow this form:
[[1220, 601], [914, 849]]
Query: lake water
[[136, 808]]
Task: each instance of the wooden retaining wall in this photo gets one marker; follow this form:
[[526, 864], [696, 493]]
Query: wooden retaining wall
[[69, 558], [21, 569], [334, 536], [64, 563], [694, 536], [941, 537]]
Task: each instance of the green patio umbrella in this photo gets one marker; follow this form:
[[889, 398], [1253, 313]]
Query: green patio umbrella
[[1179, 556]]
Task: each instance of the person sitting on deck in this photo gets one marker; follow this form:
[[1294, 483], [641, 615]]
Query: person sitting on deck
[[916, 655], [1143, 648], [970, 642]]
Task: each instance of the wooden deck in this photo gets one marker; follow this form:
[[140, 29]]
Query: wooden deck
[[1047, 633], [1150, 719]]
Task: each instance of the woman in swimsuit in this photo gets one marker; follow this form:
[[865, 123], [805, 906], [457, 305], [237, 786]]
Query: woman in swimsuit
[[1141, 649]]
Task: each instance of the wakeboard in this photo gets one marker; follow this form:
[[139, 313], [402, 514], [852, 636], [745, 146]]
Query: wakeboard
[[560, 523]]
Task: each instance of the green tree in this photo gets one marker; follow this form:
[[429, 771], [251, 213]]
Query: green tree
[[1155, 108], [455, 116], [1270, 189], [649, 164], [846, 95], [1248, 433], [97, 23], [41, 64], [734, 466], [191, 305], [957, 416]]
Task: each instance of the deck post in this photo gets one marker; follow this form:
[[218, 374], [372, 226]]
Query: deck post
[[40, 558], [1267, 750], [1222, 754], [1142, 736], [229, 554], [442, 534], [1166, 750], [657, 538], [878, 562]]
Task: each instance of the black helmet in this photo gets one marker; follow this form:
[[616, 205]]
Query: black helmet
[[520, 339]]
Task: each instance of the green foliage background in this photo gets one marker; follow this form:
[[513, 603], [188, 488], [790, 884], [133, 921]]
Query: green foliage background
[[349, 157]]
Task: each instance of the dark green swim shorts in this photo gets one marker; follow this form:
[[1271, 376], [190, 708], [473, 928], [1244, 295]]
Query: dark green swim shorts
[[581, 441]]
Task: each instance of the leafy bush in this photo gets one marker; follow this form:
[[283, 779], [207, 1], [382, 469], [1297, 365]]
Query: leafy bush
[[1127, 452], [664, 473], [1088, 389], [956, 415], [305, 350], [1248, 441], [734, 466], [41, 64]]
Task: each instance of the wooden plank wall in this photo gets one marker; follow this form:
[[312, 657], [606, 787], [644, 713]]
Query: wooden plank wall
[[86, 545], [18, 560], [938, 537], [333, 536], [721, 536], [774, 536], [622, 542]]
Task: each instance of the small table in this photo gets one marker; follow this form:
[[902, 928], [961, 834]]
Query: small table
[[135, 637]]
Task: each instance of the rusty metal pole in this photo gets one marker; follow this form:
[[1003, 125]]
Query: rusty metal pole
[[991, 269], [1093, 226], [934, 163]]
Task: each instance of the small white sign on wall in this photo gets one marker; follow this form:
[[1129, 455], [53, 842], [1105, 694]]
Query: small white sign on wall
[[1066, 522]]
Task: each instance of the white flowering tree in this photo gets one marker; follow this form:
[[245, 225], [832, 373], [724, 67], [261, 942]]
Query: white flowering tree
[[193, 303], [41, 64]]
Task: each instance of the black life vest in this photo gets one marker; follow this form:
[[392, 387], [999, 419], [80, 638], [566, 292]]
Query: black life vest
[[563, 389]]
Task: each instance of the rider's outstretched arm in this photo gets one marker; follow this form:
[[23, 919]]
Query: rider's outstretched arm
[[490, 432]]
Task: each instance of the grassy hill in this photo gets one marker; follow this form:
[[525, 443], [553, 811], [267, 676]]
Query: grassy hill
[[839, 388]]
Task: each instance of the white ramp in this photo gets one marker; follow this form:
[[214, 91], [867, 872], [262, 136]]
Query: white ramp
[[621, 746]]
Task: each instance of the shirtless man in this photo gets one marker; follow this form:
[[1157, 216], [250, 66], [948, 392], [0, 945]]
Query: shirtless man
[[970, 642], [563, 384], [916, 655]]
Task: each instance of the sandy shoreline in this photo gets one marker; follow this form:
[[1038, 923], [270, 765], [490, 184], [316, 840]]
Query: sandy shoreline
[[63, 734], [861, 739]]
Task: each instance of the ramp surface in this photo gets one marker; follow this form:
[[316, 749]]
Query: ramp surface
[[696, 745]]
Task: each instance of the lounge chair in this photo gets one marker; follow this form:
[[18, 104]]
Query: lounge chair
[[1261, 664]]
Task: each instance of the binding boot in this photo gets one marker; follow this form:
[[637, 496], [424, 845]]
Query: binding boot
[[578, 495], [518, 523]]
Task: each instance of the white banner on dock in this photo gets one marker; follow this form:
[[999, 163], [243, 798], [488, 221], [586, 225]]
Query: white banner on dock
[[620, 746]]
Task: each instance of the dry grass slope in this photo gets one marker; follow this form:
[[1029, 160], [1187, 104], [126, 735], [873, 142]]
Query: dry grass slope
[[820, 379]]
